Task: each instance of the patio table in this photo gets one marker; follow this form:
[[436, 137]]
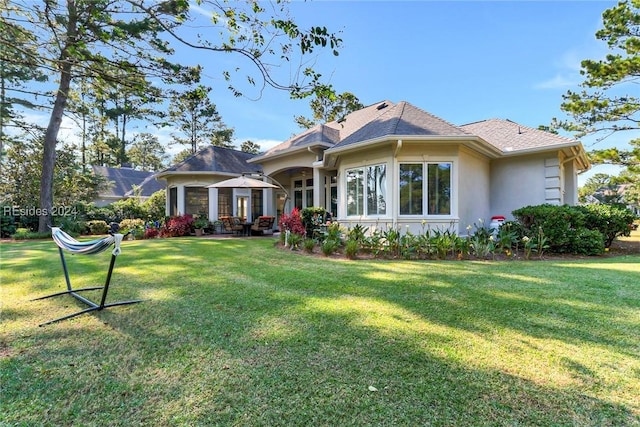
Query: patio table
[[246, 228]]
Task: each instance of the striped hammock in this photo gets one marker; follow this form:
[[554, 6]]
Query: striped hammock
[[68, 243]]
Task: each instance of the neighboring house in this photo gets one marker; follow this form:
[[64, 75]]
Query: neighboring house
[[124, 183], [616, 194], [397, 165]]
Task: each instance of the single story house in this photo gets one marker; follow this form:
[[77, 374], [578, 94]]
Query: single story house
[[124, 182], [390, 164]]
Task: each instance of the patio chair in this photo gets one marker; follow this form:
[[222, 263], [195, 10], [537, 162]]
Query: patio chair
[[68, 243], [263, 224], [231, 224]]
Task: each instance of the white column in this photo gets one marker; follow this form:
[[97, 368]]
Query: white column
[[268, 202], [319, 195], [213, 204], [181, 205]]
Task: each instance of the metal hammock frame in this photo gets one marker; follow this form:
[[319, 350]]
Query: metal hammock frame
[[68, 243]]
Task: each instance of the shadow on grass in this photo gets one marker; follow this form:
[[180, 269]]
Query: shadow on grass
[[237, 333]]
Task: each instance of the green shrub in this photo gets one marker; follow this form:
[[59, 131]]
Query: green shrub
[[312, 218], [71, 225], [97, 227], [294, 241], [358, 233], [25, 234], [351, 248], [155, 206], [136, 226], [557, 223], [129, 209], [588, 242], [21, 233], [329, 246], [7, 225], [104, 213], [610, 221], [308, 245], [570, 229]]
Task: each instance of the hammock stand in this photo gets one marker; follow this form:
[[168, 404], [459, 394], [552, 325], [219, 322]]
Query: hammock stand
[[66, 242]]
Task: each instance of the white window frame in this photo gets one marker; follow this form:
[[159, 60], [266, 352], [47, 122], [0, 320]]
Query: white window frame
[[425, 188], [364, 186]]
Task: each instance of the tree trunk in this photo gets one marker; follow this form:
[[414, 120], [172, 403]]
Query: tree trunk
[[51, 135], [49, 155]]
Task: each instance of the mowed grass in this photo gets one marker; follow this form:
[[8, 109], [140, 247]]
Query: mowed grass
[[236, 332]]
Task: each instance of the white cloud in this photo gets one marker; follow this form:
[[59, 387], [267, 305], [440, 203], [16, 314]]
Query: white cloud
[[562, 80]]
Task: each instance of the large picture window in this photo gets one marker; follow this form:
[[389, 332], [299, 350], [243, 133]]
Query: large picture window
[[173, 201], [412, 187], [224, 202], [355, 192], [196, 200], [377, 190], [373, 189], [439, 189]]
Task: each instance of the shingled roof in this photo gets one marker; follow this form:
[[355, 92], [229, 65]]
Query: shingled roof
[[213, 159], [389, 120], [331, 133], [508, 136], [122, 180], [402, 119]]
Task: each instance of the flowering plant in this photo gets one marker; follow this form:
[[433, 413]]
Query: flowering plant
[[292, 222], [177, 226]]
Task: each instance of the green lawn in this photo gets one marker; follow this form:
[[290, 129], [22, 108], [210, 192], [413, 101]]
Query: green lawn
[[237, 332]]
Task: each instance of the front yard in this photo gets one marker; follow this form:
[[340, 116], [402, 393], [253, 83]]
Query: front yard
[[237, 332]]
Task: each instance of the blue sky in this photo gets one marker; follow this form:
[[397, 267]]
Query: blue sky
[[462, 61]]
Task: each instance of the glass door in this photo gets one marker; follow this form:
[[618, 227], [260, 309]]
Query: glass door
[[241, 207]]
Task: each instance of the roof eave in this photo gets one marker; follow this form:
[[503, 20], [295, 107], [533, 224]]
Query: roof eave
[[574, 146], [163, 174], [487, 148], [288, 152]]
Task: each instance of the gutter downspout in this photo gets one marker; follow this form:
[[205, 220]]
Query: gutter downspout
[[398, 147]]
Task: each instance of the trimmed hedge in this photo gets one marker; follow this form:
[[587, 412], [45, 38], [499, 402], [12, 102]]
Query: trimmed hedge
[[611, 221], [585, 230]]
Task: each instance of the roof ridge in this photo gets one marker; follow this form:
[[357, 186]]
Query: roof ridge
[[397, 116], [437, 117]]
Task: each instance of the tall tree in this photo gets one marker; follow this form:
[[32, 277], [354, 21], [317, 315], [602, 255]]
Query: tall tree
[[609, 102], [146, 153], [18, 66], [603, 106], [197, 121], [117, 39], [250, 147], [327, 106], [20, 174]]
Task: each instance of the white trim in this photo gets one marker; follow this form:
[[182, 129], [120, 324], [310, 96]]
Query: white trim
[[453, 197]]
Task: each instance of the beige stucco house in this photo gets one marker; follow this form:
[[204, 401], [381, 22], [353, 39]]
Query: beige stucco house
[[396, 165]]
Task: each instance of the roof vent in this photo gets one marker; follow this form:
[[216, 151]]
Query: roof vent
[[381, 106]]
